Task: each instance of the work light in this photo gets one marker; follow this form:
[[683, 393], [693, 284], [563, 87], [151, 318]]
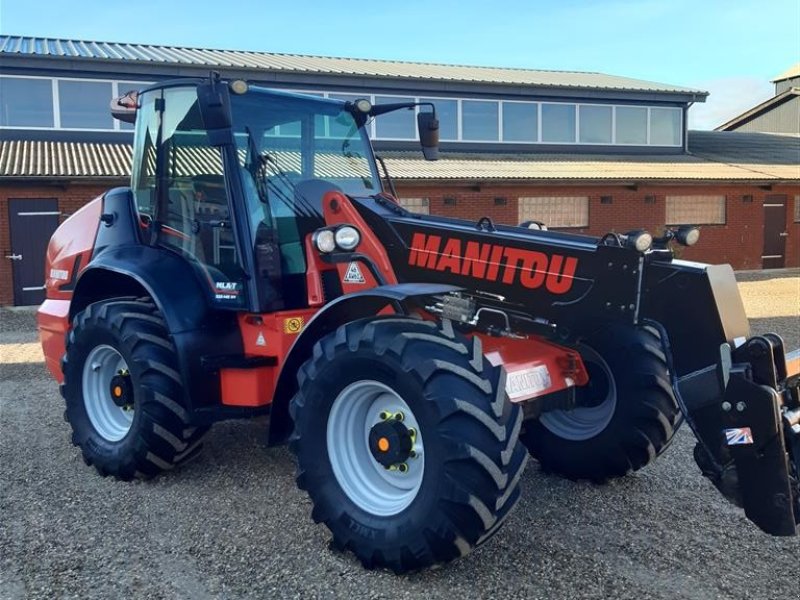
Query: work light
[[347, 237]]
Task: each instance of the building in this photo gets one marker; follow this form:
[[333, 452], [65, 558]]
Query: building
[[587, 152], [780, 114]]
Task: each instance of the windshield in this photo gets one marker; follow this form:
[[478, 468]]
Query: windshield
[[301, 138]]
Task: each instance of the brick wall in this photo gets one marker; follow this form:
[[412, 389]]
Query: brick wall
[[739, 241]]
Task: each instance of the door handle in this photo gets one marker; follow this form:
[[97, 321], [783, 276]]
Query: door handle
[[14, 256], [783, 233]]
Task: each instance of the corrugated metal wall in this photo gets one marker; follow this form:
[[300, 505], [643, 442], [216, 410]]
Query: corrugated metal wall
[[784, 118]]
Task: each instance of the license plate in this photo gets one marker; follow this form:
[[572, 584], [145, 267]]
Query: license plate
[[527, 383]]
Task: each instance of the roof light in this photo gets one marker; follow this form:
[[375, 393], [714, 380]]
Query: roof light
[[363, 105], [641, 241], [239, 86]]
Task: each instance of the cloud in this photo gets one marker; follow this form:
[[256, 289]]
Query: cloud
[[728, 98]]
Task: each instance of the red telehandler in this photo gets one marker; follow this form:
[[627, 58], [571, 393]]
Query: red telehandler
[[413, 363]]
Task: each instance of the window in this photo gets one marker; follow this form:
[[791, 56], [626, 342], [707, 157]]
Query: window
[[397, 125], [665, 126], [520, 122], [26, 102], [85, 104], [447, 113], [695, 210], [631, 125], [558, 123], [417, 205], [595, 124], [479, 120], [797, 209], [555, 211]]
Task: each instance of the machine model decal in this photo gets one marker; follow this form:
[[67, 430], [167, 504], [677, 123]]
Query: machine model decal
[[527, 382], [293, 325], [60, 274], [354, 274], [226, 290], [494, 262], [738, 436]]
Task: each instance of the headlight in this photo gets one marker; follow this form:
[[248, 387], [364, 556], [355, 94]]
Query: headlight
[[347, 238], [324, 241], [641, 241], [687, 235]]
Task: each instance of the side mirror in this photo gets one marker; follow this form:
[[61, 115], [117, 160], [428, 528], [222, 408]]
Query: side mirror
[[124, 108], [428, 126]]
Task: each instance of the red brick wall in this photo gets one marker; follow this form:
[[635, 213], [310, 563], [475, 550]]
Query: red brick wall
[[738, 242], [70, 198]]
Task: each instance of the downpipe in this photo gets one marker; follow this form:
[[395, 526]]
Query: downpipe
[[745, 414]]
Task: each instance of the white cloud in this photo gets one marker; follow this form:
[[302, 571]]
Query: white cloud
[[728, 98]]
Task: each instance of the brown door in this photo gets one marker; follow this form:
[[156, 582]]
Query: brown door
[[32, 222], [774, 255]]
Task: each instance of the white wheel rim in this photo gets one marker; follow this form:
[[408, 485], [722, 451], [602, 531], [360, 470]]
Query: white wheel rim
[[109, 420], [371, 486], [585, 422]]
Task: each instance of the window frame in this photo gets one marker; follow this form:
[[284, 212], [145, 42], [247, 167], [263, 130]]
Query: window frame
[[371, 126], [672, 221], [585, 200]]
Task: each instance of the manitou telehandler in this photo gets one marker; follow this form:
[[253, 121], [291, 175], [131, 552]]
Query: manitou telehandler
[[257, 265]]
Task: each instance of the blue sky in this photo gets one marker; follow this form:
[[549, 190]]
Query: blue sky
[[730, 48]]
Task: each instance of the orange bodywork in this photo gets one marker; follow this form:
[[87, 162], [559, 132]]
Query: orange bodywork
[[68, 253], [268, 335], [534, 367]]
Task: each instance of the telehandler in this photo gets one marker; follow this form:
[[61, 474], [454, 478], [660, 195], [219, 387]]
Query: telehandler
[[258, 263]]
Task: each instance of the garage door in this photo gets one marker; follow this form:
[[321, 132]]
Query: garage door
[[32, 222]]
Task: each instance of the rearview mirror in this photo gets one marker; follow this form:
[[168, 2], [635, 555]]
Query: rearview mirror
[[124, 108], [428, 126]]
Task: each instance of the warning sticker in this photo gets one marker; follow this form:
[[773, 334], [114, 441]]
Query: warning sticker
[[260, 341], [354, 274], [293, 325]]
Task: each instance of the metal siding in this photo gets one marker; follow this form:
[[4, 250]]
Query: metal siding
[[783, 118]]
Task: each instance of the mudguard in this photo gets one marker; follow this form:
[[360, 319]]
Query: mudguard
[[342, 310]]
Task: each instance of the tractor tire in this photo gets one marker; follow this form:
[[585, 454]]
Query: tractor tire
[[123, 391], [633, 419], [457, 478]]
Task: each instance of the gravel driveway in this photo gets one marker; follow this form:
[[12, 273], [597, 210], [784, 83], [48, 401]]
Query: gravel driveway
[[232, 524]]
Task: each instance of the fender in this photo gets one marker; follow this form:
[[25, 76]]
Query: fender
[[342, 310], [197, 329]]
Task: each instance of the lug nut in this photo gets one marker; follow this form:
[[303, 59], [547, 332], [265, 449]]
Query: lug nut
[[399, 416], [385, 415], [402, 467]]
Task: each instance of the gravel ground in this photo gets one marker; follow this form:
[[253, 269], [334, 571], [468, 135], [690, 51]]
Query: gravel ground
[[231, 524]]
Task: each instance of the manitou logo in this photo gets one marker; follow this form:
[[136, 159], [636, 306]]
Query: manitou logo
[[492, 262]]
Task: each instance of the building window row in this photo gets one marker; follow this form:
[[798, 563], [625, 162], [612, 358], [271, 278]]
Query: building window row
[[519, 122], [695, 210], [46, 103], [66, 103]]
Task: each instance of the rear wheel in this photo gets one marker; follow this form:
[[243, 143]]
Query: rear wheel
[[406, 442], [627, 415], [123, 392]]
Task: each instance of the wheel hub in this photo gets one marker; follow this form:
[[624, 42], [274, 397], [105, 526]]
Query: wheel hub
[[391, 442], [121, 389]]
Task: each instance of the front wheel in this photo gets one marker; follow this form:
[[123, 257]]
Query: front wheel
[[406, 442], [123, 391], [627, 413]]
